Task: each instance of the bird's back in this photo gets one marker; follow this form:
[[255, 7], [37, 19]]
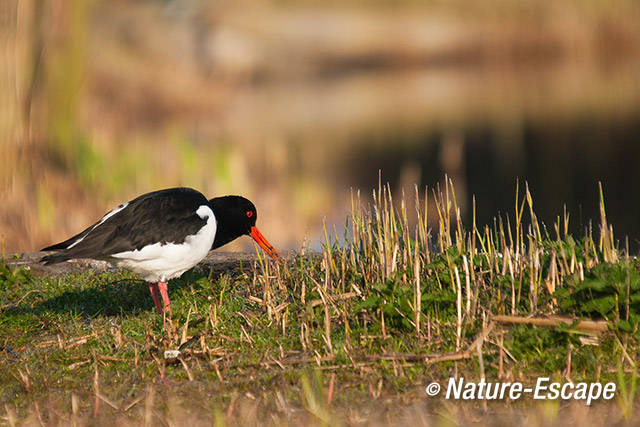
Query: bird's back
[[159, 217]]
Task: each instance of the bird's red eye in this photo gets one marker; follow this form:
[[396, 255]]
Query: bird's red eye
[[249, 214]]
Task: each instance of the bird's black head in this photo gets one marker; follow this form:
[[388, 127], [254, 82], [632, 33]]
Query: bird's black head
[[236, 217]]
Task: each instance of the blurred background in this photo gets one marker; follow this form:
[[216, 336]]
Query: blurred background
[[293, 103]]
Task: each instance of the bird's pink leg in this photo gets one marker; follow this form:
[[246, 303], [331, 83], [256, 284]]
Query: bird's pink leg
[[153, 288], [165, 296]]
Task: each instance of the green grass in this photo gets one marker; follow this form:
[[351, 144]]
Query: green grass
[[340, 336]]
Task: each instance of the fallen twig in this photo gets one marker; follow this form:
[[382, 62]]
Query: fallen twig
[[346, 295], [107, 401], [134, 403], [77, 364], [111, 358], [296, 361], [15, 304], [68, 344], [583, 325], [186, 368]]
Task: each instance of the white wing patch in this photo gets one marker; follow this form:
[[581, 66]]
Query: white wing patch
[[166, 261], [104, 218]]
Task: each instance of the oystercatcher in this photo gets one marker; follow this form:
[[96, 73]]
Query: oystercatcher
[[162, 234]]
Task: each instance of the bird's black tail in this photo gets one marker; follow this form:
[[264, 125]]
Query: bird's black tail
[[57, 246], [55, 258], [68, 242]]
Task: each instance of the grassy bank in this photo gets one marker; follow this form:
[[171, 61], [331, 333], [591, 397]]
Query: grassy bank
[[349, 335]]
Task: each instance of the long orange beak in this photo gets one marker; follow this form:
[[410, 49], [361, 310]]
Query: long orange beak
[[264, 244]]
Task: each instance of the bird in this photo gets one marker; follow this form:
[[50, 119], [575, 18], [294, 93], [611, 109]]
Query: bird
[[162, 234]]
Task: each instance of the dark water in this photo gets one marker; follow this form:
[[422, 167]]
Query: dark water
[[562, 163]]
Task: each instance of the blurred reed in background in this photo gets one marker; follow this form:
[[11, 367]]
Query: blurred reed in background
[[294, 103]]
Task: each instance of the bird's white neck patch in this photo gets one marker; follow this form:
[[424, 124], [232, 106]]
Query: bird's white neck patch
[[205, 212]]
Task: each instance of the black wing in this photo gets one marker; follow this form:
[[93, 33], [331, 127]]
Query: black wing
[[163, 216], [70, 240]]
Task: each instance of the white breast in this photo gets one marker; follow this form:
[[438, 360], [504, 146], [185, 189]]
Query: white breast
[[161, 262]]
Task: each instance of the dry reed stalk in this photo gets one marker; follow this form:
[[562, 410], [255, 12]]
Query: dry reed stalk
[[597, 326]]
